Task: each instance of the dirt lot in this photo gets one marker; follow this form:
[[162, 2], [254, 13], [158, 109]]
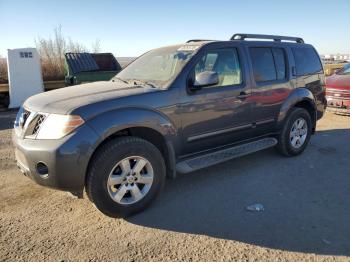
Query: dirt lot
[[200, 216]]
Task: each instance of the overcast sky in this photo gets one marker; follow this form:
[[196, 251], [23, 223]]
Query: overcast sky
[[129, 28]]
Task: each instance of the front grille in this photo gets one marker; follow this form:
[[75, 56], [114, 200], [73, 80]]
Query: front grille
[[28, 123], [39, 120], [338, 94]]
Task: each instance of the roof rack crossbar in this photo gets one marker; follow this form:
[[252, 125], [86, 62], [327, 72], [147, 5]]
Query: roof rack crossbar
[[198, 40], [276, 38]]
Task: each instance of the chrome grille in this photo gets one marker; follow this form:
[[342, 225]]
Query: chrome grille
[[338, 93], [28, 123], [39, 120]]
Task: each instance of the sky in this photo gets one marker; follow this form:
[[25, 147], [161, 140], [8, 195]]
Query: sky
[[130, 28]]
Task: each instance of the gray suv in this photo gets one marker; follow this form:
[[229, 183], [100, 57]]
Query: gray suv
[[173, 110]]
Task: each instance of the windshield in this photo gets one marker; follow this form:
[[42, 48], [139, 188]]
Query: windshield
[[157, 67], [345, 70]]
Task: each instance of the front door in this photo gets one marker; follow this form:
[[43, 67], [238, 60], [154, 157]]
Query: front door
[[216, 115]]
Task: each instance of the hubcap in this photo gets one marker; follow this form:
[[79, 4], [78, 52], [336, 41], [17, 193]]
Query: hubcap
[[298, 133], [130, 180]]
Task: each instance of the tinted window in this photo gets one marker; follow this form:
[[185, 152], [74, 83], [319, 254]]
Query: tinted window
[[306, 61], [263, 64], [224, 62], [269, 64], [280, 63]]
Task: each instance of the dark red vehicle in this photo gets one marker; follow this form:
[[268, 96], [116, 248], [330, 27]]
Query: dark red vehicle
[[338, 91]]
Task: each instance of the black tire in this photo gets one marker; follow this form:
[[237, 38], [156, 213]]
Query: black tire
[[103, 162], [284, 145]]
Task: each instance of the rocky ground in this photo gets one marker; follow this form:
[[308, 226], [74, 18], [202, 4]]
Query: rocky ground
[[200, 216]]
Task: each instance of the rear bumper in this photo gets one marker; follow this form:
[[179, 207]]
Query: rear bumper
[[66, 159]]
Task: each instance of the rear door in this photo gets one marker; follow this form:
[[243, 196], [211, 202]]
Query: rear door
[[271, 83]]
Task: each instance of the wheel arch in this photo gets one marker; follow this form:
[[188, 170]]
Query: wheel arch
[[302, 98], [143, 123]]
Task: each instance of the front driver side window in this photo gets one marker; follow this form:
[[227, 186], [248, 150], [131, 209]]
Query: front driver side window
[[225, 63]]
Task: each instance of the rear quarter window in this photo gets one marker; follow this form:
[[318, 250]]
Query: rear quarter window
[[307, 61]]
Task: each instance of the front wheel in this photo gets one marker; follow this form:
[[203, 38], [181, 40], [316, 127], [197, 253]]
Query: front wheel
[[125, 175], [296, 132]]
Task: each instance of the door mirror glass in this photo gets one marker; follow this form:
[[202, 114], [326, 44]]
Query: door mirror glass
[[206, 78]]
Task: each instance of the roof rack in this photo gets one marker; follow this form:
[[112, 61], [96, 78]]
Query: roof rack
[[198, 40], [276, 38]]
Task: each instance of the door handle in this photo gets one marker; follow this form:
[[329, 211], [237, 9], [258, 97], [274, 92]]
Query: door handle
[[242, 95]]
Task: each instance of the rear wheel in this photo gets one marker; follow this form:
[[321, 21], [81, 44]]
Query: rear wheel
[[125, 175], [296, 132]]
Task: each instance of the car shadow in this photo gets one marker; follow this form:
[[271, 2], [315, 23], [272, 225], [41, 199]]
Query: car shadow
[[306, 199]]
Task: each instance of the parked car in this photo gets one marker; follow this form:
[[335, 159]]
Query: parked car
[[174, 109], [338, 91]]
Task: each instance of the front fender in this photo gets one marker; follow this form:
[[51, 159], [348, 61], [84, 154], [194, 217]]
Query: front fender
[[296, 96], [113, 121], [109, 123]]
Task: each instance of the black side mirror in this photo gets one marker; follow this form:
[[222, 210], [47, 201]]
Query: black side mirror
[[206, 78]]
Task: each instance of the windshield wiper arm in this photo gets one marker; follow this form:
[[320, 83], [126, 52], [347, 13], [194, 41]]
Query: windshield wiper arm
[[142, 82], [122, 80]]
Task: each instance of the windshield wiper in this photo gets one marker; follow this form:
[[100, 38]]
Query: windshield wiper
[[118, 78], [142, 82]]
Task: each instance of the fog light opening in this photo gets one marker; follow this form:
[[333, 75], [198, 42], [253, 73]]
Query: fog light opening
[[42, 170]]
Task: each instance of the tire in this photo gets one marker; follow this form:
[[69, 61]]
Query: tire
[[110, 164], [286, 142]]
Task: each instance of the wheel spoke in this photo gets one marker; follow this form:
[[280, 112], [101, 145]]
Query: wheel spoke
[[301, 123], [294, 140], [120, 193], [125, 165], [135, 192], [115, 180], [144, 179], [139, 165]]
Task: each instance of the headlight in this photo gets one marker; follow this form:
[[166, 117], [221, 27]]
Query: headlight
[[57, 126]]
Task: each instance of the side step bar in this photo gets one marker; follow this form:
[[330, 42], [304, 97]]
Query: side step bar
[[206, 160]]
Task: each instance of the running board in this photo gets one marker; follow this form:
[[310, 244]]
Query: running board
[[199, 162]]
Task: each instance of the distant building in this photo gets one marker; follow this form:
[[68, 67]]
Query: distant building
[[331, 58]]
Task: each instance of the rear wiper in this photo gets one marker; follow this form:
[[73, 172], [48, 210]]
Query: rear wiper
[[142, 82]]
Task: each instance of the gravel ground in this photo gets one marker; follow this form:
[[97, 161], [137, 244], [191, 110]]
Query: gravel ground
[[199, 216]]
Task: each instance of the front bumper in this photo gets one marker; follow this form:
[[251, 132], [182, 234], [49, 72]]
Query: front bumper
[[338, 105], [338, 100], [66, 159]]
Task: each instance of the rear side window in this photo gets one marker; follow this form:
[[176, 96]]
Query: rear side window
[[263, 64], [280, 63], [307, 61], [269, 64]]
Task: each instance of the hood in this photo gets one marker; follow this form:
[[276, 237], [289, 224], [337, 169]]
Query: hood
[[338, 82], [64, 100]]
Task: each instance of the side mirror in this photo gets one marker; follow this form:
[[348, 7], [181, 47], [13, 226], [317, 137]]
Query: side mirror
[[206, 78]]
